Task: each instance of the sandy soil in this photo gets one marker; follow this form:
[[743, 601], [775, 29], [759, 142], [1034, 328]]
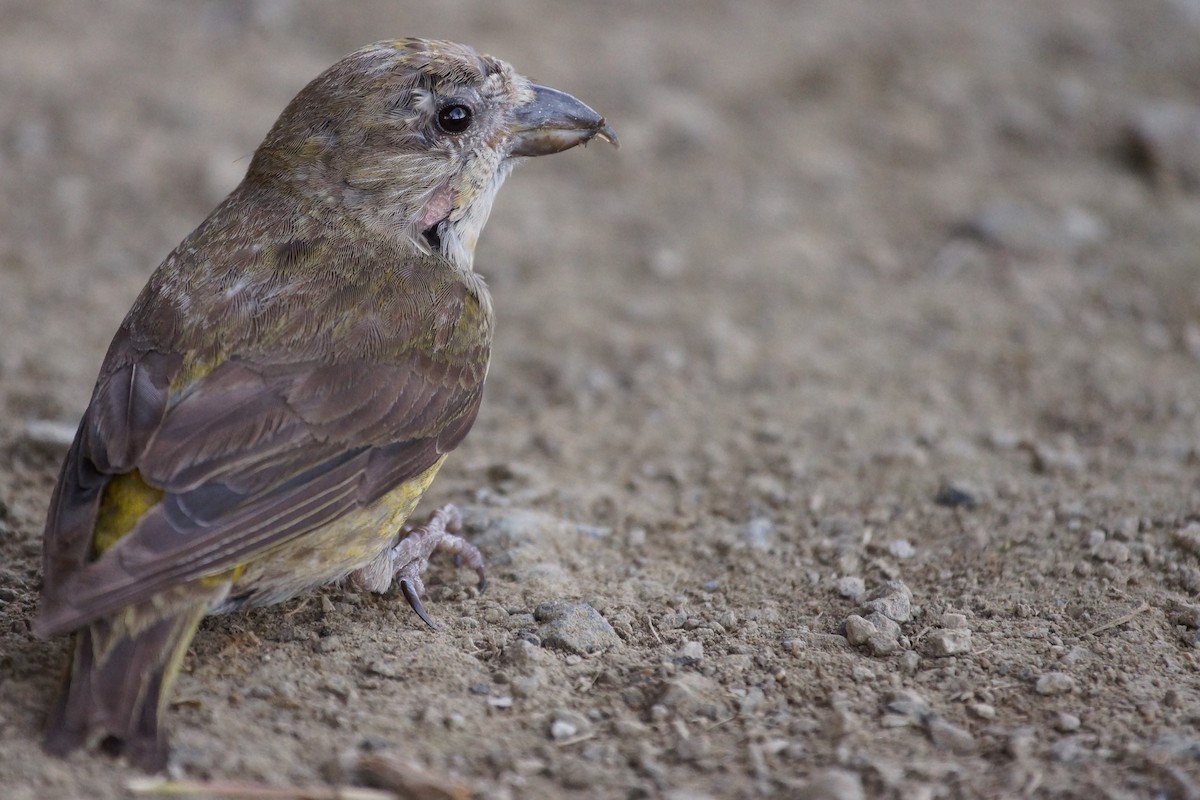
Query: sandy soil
[[842, 431]]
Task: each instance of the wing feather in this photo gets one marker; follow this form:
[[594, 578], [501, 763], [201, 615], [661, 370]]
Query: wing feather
[[251, 456]]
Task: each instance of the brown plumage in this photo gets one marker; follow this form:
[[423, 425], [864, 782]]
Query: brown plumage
[[289, 381]]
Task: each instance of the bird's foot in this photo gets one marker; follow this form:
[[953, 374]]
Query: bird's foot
[[405, 562]]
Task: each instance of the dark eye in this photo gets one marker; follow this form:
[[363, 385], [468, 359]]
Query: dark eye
[[454, 119]]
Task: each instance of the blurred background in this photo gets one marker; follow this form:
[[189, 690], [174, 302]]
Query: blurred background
[[851, 256]]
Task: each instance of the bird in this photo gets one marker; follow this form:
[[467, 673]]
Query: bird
[[290, 379]]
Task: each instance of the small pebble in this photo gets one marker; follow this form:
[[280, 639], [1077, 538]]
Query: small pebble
[[687, 794], [1163, 141], [1188, 538], [526, 686], [562, 729], [524, 656], [954, 621], [385, 669], [851, 587], [1111, 552], [891, 599], [1052, 683], [752, 701], [1024, 229], [956, 495], [432, 716], [942, 643], [1021, 743], [983, 710], [1067, 723], [858, 630], [758, 533], [948, 736], [908, 703], [834, 784], [50, 432], [575, 627], [689, 695], [901, 548], [842, 723], [879, 634], [690, 654]]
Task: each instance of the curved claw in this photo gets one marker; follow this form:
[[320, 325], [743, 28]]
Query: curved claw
[[414, 600], [483, 582]]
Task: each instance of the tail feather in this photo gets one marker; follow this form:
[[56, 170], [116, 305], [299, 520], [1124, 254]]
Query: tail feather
[[118, 686]]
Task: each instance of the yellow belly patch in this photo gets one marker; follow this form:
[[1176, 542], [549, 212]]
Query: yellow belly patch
[[334, 550], [125, 500]]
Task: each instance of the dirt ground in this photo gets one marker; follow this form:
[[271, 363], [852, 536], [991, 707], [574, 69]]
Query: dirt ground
[[842, 433]]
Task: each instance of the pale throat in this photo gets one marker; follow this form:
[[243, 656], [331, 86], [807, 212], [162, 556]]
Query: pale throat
[[472, 206]]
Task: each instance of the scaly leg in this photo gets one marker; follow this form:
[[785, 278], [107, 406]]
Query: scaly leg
[[410, 556]]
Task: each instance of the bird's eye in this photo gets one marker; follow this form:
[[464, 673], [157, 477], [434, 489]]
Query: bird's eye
[[454, 118]]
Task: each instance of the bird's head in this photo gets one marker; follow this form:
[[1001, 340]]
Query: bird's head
[[413, 138]]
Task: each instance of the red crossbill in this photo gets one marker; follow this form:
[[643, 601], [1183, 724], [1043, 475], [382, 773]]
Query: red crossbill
[[291, 378]]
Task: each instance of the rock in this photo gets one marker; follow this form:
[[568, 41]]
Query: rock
[[567, 724], [689, 655], [841, 723], [386, 669], [1163, 142], [1067, 723], [1186, 615], [834, 784], [1111, 551], [691, 694], [687, 794], [948, 642], [948, 736], [891, 599], [574, 627], [1063, 457], [858, 630], [1052, 683], [750, 702], [983, 710], [956, 495], [50, 433], [758, 533], [954, 620], [901, 548], [1021, 742], [1187, 538], [1021, 228], [524, 656], [908, 703], [526, 686], [505, 532], [876, 632], [851, 587]]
